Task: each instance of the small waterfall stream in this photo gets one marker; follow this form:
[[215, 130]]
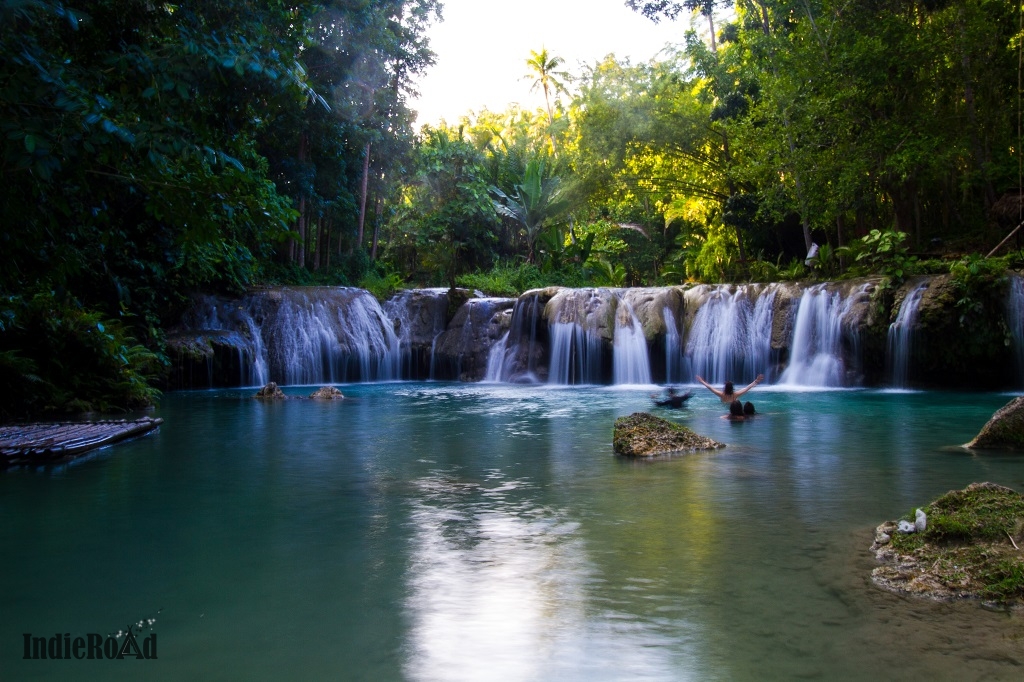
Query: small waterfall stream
[[307, 336], [419, 317], [673, 353], [630, 360], [1015, 321], [514, 357], [816, 352], [575, 354], [730, 339], [900, 336]]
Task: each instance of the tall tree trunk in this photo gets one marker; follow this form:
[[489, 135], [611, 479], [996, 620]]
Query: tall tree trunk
[[711, 26], [296, 251], [315, 246], [327, 243], [804, 219], [981, 157], [301, 249], [840, 228], [362, 195], [376, 229]]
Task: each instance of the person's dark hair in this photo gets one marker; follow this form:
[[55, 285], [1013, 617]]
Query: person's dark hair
[[736, 408], [748, 407], [728, 388]]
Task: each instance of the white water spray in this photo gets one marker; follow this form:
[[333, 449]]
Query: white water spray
[[900, 337]]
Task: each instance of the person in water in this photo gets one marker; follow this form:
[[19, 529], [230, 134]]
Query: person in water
[[739, 411], [674, 399], [729, 393]]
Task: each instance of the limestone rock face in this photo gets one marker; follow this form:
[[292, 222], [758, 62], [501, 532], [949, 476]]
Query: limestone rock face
[[461, 351], [270, 392], [1005, 429], [649, 304], [327, 393], [643, 435]]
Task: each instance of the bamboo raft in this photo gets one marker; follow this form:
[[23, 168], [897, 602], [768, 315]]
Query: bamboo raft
[[47, 443]]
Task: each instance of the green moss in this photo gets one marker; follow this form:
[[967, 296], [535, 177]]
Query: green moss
[[968, 544], [642, 434]]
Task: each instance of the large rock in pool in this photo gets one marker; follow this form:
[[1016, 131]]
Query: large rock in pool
[[643, 435], [327, 393], [270, 392], [1005, 429]]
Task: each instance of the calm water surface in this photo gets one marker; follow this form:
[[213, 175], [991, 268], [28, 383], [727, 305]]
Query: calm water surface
[[487, 532]]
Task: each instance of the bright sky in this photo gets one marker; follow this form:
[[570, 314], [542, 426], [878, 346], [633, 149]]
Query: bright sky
[[482, 47]]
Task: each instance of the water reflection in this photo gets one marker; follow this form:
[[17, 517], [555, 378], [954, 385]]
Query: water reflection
[[498, 589], [453, 532]]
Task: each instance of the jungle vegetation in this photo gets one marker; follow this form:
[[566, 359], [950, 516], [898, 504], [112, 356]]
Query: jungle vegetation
[[152, 150]]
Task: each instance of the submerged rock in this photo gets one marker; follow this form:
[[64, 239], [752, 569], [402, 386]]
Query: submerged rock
[[966, 547], [327, 393], [270, 392], [643, 435], [1005, 429]]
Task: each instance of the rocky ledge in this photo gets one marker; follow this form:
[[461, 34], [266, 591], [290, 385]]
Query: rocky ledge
[[643, 435], [964, 545]]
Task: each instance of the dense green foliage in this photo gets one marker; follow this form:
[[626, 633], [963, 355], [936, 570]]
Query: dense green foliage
[[155, 149], [152, 150]]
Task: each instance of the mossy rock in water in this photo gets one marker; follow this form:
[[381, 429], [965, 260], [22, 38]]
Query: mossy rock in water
[[969, 548], [643, 435], [270, 392], [327, 393], [1004, 430]]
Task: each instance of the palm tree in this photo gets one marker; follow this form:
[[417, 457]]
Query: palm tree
[[543, 69], [534, 203]]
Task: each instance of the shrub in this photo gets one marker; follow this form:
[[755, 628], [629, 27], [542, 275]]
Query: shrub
[[56, 356]]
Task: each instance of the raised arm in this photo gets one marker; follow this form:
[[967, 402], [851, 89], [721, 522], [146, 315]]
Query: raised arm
[[755, 382], [709, 387]]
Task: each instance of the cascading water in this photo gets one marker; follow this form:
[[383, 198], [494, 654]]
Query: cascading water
[[463, 350], [496, 359], [514, 357], [730, 339], [816, 350], [576, 346], [305, 336], [673, 352], [1015, 319], [630, 359], [235, 327], [575, 354], [900, 336], [419, 317]]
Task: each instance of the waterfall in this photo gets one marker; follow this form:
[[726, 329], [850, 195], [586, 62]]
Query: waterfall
[[463, 351], [575, 320], [730, 339], [816, 349], [630, 360], [306, 336], [234, 327], [900, 334], [1015, 319], [673, 349], [419, 317], [514, 357], [330, 335], [575, 354], [496, 359]]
